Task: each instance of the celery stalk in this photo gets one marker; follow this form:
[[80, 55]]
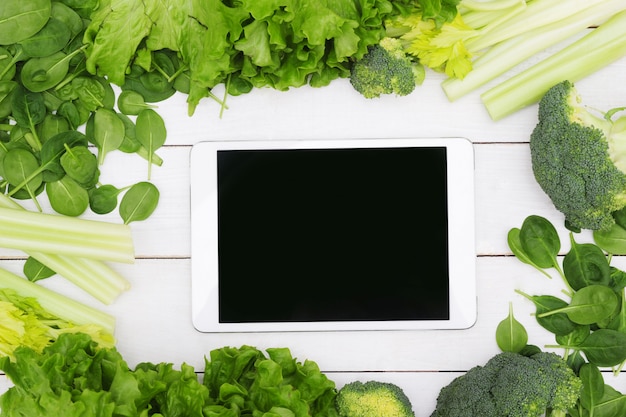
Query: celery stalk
[[507, 54], [597, 49], [536, 14], [56, 234], [93, 276], [57, 304]]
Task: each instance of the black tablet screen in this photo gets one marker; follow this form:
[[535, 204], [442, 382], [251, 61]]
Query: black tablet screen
[[332, 235]]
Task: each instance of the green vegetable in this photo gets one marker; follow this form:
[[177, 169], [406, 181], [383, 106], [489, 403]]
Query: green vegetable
[[590, 326], [257, 43], [511, 336], [139, 202], [26, 324], [21, 19], [94, 276], [512, 385], [576, 158], [55, 234], [595, 50], [373, 398], [237, 382], [506, 54], [69, 310], [386, 69], [47, 94]]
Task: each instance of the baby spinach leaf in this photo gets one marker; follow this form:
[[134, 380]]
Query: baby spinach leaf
[[80, 164], [20, 19], [21, 170], [139, 202], [70, 18], [558, 323], [40, 74], [540, 241], [67, 197], [103, 199], [605, 347], [612, 240], [131, 102], [29, 108], [585, 264], [593, 386], [151, 133], [511, 336], [35, 270], [515, 245], [612, 403], [54, 147], [108, 131], [7, 65], [50, 39], [91, 92], [589, 305]]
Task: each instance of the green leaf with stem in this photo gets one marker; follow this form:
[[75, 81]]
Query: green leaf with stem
[[150, 132], [516, 247], [139, 202], [589, 305], [511, 336], [108, 132], [21, 169]]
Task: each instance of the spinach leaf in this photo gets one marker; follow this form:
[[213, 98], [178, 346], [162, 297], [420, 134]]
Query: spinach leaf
[[585, 264], [589, 305], [67, 197], [558, 323], [103, 199], [50, 39], [20, 169], [35, 270], [540, 241], [40, 74], [108, 130], [151, 133], [511, 336], [139, 202], [29, 110], [20, 19], [604, 347], [516, 247], [593, 386]]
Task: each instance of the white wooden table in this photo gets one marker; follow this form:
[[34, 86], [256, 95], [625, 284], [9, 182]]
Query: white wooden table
[[153, 317]]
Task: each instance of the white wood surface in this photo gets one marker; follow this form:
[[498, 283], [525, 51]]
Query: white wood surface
[[153, 317]]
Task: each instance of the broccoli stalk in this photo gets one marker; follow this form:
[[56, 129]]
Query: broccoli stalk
[[386, 69], [372, 399], [512, 385], [579, 158]]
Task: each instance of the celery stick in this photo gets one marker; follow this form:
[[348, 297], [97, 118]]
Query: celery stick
[[505, 55], [597, 49], [537, 13], [56, 234], [93, 276], [57, 304]]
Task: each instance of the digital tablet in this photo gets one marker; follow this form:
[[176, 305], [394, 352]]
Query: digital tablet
[[332, 235]]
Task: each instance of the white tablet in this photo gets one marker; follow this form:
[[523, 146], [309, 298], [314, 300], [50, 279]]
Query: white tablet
[[325, 235]]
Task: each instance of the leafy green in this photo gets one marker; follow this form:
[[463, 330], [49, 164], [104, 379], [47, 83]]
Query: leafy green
[[90, 378]]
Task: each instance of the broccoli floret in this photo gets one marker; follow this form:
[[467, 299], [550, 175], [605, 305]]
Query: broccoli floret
[[373, 399], [579, 159], [512, 385], [386, 69]]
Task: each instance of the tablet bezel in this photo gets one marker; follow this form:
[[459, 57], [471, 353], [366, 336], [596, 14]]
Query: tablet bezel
[[461, 235]]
